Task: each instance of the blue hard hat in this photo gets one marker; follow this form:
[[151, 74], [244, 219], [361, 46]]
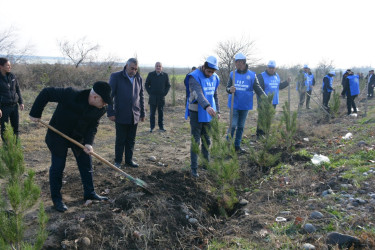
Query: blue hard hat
[[271, 64], [212, 62], [332, 72], [240, 56]]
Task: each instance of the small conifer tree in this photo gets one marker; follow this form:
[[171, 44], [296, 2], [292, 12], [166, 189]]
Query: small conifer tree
[[266, 114], [335, 103], [223, 165], [290, 120], [21, 193]]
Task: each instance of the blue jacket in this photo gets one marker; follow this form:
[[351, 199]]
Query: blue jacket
[[128, 98]]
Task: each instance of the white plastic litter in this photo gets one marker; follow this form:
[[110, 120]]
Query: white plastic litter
[[306, 139], [318, 159], [348, 136], [280, 219]]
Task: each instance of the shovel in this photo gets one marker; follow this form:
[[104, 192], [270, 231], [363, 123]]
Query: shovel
[[136, 181]]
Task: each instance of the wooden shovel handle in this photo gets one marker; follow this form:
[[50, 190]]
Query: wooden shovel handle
[[92, 153]]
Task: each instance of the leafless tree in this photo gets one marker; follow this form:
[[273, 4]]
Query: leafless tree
[[9, 48], [324, 66], [80, 51], [226, 50]]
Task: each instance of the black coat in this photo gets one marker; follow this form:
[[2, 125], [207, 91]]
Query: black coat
[[73, 116], [9, 89], [157, 86]]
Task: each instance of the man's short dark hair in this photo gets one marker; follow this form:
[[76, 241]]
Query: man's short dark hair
[[3, 61]]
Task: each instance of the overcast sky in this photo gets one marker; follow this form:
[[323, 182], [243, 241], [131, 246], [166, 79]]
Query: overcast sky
[[182, 32]]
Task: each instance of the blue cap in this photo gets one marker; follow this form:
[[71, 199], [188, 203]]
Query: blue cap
[[332, 72], [271, 64], [240, 56], [305, 66], [212, 62]]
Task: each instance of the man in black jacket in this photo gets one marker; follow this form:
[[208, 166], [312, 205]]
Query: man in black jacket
[[77, 115], [157, 86], [10, 97], [371, 83]]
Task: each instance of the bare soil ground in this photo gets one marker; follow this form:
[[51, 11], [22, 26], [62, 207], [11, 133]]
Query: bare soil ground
[[133, 219]]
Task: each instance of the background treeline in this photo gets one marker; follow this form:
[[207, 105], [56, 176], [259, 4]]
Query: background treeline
[[36, 76]]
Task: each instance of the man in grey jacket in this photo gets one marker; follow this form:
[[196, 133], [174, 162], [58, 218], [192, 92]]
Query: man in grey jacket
[[127, 111], [202, 105]]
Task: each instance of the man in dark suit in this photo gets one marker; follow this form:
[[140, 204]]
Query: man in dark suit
[[157, 86], [77, 115], [127, 111], [371, 83]]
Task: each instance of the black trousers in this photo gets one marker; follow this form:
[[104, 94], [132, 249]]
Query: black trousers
[[350, 103], [56, 171], [370, 90], [160, 115], [125, 140], [10, 112], [326, 97]]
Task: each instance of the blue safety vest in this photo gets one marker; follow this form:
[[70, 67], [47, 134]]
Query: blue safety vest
[[209, 86], [353, 84], [330, 83], [271, 85], [309, 81], [243, 97]]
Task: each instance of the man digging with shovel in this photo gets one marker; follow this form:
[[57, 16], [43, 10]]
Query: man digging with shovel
[[77, 115]]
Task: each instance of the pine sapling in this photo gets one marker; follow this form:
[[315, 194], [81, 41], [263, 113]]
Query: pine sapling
[[21, 194], [223, 165], [289, 119], [266, 113]]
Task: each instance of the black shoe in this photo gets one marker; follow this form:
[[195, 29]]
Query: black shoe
[[240, 150], [150, 130], [131, 164], [162, 130], [96, 197], [117, 165], [194, 173], [60, 206]]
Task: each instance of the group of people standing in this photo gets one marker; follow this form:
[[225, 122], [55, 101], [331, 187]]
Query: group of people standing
[[78, 111]]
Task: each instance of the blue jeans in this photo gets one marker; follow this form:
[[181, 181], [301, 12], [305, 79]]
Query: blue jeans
[[238, 122], [56, 170], [199, 131]]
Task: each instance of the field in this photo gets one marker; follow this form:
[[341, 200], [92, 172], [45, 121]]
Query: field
[[292, 189]]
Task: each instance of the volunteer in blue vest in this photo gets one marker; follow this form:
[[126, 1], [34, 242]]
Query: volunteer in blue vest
[[327, 88], [202, 105], [305, 83], [351, 90], [243, 89], [270, 83]]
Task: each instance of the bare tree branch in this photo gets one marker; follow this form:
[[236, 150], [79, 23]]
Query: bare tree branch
[[226, 50], [80, 51]]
